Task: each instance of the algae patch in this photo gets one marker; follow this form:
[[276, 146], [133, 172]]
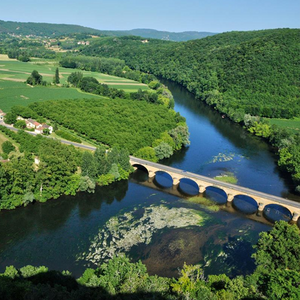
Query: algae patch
[[120, 233], [227, 177], [209, 204]]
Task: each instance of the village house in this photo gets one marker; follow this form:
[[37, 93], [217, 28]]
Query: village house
[[83, 43], [31, 124], [40, 128], [2, 115]]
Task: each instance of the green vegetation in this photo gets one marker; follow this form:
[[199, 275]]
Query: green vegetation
[[67, 136], [46, 169], [276, 277], [124, 123], [228, 177], [43, 29], [244, 75], [292, 125], [211, 205], [236, 72], [17, 93], [16, 71]]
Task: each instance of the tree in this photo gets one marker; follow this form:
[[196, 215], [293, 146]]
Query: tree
[[88, 165], [35, 78], [147, 153], [10, 118], [163, 150], [279, 248], [7, 147], [86, 184], [56, 77], [20, 124], [75, 78]]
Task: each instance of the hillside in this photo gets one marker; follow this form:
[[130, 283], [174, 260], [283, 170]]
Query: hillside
[[252, 72], [55, 30], [43, 29]]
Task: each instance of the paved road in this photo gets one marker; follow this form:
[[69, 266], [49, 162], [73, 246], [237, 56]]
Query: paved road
[[216, 182], [63, 141]]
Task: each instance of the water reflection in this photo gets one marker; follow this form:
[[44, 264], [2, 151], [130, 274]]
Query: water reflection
[[275, 212], [163, 179], [215, 194], [188, 187], [245, 204]]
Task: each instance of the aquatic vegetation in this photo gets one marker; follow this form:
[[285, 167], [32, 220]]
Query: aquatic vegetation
[[227, 177], [122, 232], [224, 157], [209, 204]]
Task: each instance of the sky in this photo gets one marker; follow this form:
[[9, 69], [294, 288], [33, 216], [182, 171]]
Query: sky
[[167, 15]]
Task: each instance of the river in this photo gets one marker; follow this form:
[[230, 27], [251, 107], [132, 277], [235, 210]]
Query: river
[[163, 230]]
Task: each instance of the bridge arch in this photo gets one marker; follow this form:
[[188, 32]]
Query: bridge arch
[[215, 194], [245, 204], [277, 212], [141, 167], [163, 179], [188, 187]]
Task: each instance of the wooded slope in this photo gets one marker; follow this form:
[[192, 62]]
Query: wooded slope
[[254, 72]]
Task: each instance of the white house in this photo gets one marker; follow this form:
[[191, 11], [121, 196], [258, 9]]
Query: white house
[[2, 115]]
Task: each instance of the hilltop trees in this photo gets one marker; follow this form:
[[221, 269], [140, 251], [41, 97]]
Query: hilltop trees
[[35, 79]]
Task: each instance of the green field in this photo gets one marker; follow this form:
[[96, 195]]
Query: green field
[[13, 90], [13, 70], [289, 124], [18, 93]]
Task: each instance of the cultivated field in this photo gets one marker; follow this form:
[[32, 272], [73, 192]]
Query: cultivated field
[[13, 70], [290, 124], [18, 93]]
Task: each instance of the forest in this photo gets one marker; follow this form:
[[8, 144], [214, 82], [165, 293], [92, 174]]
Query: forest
[[276, 277], [237, 72], [123, 123], [44, 169]]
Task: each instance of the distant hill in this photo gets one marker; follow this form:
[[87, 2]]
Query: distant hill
[[43, 29], [161, 35], [54, 30]]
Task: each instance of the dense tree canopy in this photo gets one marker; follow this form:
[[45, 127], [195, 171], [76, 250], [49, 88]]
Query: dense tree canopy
[[116, 122], [238, 72]]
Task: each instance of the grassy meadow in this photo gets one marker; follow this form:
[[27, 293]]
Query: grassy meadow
[[18, 93], [14, 70], [289, 124], [13, 90]]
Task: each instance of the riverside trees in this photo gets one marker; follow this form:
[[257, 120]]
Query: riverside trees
[[47, 169]]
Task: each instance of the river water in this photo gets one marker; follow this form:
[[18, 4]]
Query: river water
[[161, 229]]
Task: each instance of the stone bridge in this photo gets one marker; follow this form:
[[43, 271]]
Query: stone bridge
[[262, 199]]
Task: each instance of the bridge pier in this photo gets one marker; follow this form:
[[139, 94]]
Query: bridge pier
[[230, 197], [261, 207], [151, 176], [176, 181], [202, 189], [295, 217]]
